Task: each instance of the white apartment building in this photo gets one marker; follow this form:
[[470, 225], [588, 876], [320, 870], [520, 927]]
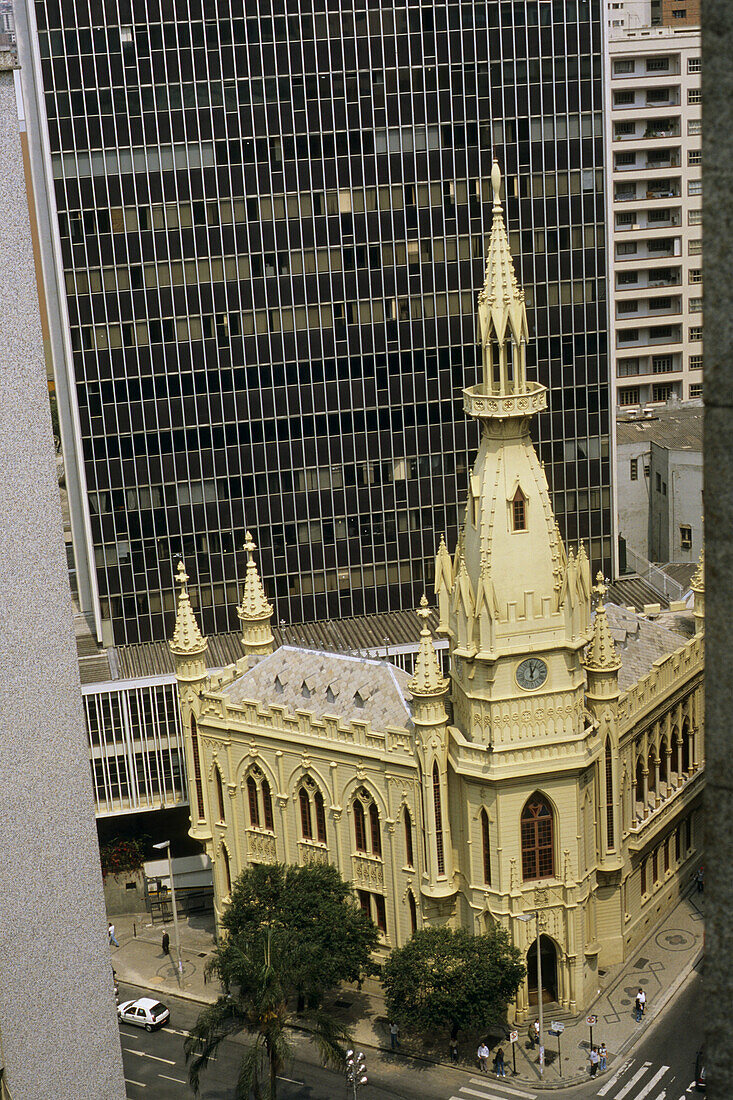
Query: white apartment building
[[655, 208]]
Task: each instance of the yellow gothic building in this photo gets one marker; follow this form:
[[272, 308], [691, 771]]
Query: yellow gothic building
[[558, 770]]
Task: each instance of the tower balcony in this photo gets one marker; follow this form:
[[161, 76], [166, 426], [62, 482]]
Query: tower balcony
[[485, 403]]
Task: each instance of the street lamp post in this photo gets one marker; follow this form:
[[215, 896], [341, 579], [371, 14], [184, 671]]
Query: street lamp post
[[179, 965], [528, 917], [355, 1070]]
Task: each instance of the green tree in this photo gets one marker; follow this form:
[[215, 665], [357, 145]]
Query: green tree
[[313, 904], [256, 976], [443, 978]]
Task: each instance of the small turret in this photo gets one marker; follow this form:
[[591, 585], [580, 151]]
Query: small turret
[[443, 585], [188, 645], [255, 611], [602, 661], [697, 585], [428, 686]]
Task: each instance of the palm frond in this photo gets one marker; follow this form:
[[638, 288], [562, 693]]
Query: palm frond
[[330, 1036], [214, 1024], [249, 1073]]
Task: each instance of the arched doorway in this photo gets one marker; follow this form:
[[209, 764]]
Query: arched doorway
[[549, 971]]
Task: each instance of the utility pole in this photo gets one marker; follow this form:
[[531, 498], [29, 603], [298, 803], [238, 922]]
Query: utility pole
[[179, 965]]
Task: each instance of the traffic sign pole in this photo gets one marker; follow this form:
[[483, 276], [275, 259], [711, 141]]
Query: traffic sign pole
[[513, 1036], [591, 1020], [558, 1029], [559, 1056]]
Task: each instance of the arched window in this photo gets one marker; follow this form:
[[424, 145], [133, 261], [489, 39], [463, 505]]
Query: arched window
[[220, 794], [227, 869], [685, 746], [197, 770], [320, 817], [359, 827], [439, 848], [519, 511], [663, 770], [254, 807], [639, 784], [651, 764], [485, 849], [609, 795], [306, 825], [538, 849], [409, 855], [267, 805], [413, 911], [375, 830]]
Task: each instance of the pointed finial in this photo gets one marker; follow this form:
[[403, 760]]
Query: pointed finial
[[428, 678], [182, 575], [187, 638], [249, 543], [601, 654], [600, 588], [496, 184], [255, 610], [424, 611]]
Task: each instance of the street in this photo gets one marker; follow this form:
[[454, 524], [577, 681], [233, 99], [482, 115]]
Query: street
[[661, 1067]]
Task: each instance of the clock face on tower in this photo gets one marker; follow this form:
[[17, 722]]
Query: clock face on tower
[[531, 674]]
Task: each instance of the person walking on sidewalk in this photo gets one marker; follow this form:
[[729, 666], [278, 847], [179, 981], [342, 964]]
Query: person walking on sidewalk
[[534, 1033], [394, 1032], [453, 1047], [483, 1057], [700, 880], [499, 1063], [640, 1004], [111, 934], [602, 1057], [166, 944], [594, 1060]]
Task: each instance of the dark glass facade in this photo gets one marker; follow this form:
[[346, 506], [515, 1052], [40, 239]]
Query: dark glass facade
[[273, 233]]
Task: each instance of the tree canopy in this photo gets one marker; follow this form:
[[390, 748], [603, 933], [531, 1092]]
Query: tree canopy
[[451, 978], [316, 910]]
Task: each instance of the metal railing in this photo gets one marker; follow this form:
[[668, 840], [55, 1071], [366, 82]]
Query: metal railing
[[655, 577]]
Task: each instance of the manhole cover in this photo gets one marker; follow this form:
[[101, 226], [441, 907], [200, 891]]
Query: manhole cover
[[641, 963], [203, 954]]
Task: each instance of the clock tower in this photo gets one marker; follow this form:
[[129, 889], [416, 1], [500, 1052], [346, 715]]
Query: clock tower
[[515, 606]]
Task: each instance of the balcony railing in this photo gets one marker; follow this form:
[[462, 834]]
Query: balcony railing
[[261, 846], [311, 851], [367, 871]]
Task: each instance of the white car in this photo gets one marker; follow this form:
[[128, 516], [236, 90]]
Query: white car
[[144, 1012]]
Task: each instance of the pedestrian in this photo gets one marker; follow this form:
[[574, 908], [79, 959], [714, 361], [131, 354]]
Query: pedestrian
[[483, 1058], [602, 1057], [594, 1060], [393, 1035], [700, 880], [453, 1047], [111, 934], [166, 944], [534, 1033], [640, 1004], [499, 1063]]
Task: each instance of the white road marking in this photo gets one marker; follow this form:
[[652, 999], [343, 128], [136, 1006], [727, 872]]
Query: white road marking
[[654, 1081], [662, 1095], [175, 1031], [140, 1084], [505, 1088], [154, 1057], [614, 1080], [481, 1095], [178, 1080], [633, 1081], [692, 1087], [290, 1079]]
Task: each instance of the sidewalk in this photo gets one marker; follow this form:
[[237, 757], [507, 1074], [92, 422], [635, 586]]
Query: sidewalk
[[659, 965]]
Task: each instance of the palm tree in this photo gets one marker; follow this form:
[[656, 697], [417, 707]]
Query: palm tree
[[258, 997]]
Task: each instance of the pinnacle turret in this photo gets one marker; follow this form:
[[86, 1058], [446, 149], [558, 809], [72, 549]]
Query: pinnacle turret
[[601, 654], [428, 678], [187, 640], [255, 611]]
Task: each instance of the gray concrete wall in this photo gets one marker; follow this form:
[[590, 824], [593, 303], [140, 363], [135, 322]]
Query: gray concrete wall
[[53, 943], [685, 503], [633, 496], [717, 143], [659, 480]]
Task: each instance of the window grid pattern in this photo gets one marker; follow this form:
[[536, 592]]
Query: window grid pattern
[[538, 859], [485, 848], [610, 832], [231, 300], [438, 809], [197, 770]]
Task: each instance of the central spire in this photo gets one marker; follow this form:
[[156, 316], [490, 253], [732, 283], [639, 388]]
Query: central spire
[[503, 333]]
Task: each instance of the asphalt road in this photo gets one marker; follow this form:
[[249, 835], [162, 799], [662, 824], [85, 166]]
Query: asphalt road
[[660, 1067]]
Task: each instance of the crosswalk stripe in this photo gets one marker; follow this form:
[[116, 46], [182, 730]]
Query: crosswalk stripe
[[615, 1079], [654, 1081], [505, 1088], [633, 1081], [481, 1095]]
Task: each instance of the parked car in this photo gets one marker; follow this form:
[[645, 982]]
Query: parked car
[[700, 1070], [144, 1012]]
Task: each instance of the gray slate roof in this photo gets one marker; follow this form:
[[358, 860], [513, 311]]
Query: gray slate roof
[[327, 683], [642, 641], [679, 428]]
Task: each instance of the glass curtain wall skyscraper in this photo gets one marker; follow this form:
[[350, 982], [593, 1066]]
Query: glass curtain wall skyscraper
[[265, 240]]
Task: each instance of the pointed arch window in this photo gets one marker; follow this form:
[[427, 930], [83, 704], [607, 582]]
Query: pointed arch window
[[197, 770], [375, 830], [409, 852], [609, 796], [538, 841], [413, 911], [320, 817], [267, 806], [306, 824], [359, 827], [485, 849], [219, 793], [438, 808], [227, 869], [519, 511], [254, 806], [367, 834]]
